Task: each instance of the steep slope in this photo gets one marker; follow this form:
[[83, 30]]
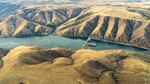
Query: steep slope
[[36, 65], [34, 21], [16, 26], [49, 15], [109, 24], [112, 23]]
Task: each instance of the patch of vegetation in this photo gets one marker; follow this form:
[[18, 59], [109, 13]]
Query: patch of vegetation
[[53, 26]]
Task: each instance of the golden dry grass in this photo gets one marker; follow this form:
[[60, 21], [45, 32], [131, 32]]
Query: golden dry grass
[[25, 64]]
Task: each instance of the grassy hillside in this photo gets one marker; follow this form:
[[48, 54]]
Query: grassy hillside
[[36, 65]]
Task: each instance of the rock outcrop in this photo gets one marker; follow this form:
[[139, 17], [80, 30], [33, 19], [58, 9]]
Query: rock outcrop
[[36, 65]]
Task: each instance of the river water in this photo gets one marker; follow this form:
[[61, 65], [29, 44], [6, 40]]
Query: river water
[[62, 42]]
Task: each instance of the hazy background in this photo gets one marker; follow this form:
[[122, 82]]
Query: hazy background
[[79, 0]]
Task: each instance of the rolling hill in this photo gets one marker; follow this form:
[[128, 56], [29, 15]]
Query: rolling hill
[[36, 65]]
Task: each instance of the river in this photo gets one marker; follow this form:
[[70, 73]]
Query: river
[[62, 42]]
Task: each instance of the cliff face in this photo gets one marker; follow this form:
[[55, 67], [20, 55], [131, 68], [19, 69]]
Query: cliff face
[[36, 65], [122, 24]]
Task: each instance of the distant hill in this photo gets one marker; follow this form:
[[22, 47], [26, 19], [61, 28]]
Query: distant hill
[[7, 8], [74, 0]]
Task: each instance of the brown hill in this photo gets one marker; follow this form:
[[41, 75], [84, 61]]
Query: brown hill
[[16, 26], [34, 21], [36, 65], [112, 23]]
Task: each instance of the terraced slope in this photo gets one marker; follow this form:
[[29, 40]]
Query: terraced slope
[[36, 65]]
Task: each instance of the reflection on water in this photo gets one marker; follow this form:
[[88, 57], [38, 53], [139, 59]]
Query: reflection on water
[[57, 41]]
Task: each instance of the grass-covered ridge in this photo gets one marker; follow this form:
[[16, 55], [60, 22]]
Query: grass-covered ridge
[[36, 65]]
